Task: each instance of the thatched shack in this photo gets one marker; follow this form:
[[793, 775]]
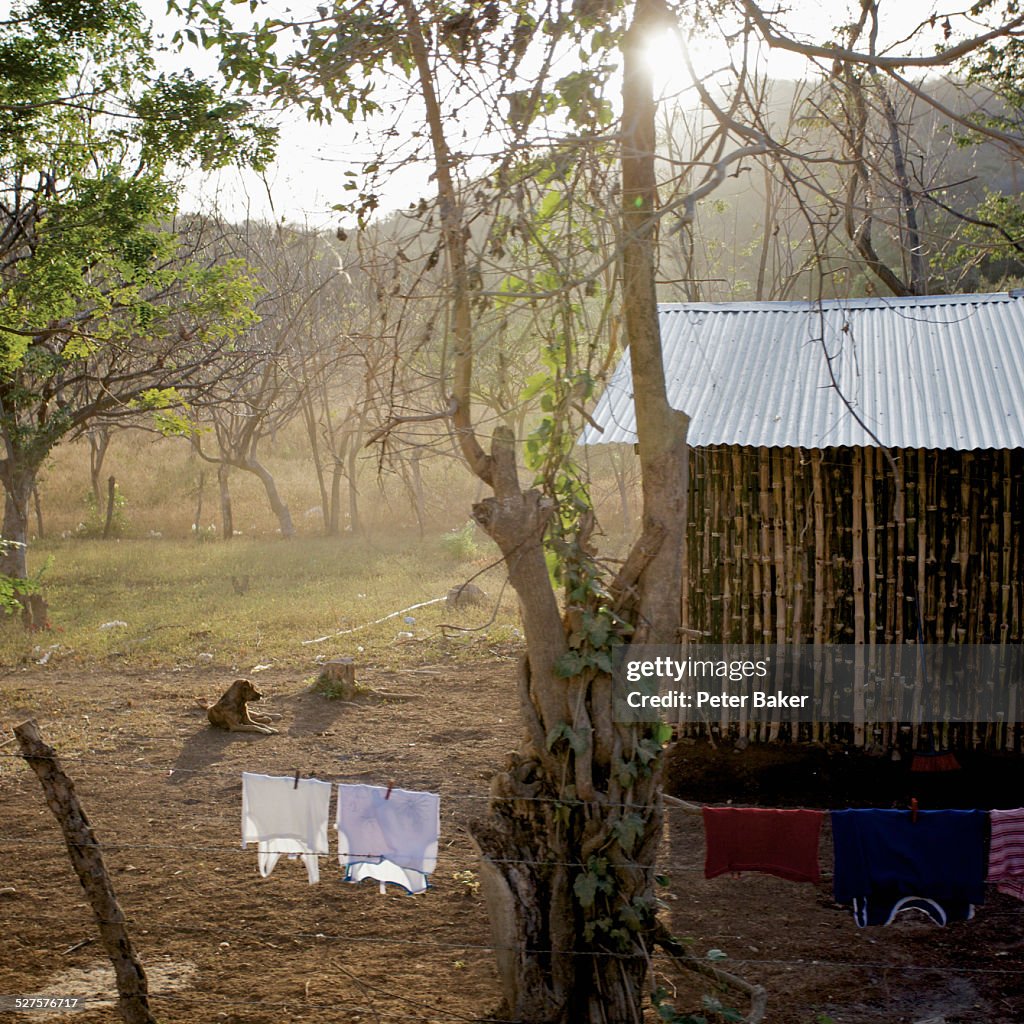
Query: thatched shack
[[857, 467]]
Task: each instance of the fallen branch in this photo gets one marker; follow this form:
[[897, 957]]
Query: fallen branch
[[682, 957]]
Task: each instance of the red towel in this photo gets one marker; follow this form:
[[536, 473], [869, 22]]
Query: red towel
[[1006, 854], [783, 843]]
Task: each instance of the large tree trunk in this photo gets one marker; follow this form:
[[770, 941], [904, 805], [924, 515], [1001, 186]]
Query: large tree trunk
[[569, 849], [18, 484], [661, 430]]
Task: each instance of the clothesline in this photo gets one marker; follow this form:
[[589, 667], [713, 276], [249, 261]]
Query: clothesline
[[685, 806]]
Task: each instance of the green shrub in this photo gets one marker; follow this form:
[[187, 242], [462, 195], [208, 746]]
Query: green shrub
[[460, 544], [96, 517]]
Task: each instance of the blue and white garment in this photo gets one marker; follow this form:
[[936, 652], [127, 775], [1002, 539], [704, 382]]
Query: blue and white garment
[[389, 838], [886, 862]]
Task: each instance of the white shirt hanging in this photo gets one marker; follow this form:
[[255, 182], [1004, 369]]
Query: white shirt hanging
[[282, 818]]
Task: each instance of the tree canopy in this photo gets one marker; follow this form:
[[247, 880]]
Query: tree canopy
[[104, 306]]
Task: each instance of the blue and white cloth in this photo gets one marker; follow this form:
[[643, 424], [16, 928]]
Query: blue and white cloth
[[391, 838], [888, 862]]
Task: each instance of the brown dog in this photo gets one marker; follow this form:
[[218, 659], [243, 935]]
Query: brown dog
[[232, 713]]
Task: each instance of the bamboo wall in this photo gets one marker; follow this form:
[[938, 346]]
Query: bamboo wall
[[796, 546]]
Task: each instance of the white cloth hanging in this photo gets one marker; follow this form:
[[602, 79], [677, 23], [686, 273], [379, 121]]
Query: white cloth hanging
[[282, 818], [390, 838]]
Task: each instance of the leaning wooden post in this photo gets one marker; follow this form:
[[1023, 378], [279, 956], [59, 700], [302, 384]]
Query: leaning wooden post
[[87, 860]]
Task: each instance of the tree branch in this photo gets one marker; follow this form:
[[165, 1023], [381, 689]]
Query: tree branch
[[943, 58]]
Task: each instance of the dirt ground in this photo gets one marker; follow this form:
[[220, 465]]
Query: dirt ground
[[223, 945]]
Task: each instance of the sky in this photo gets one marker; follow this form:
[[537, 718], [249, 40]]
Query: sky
[[308, 176]]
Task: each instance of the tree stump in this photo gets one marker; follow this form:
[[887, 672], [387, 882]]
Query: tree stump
[[35, 612], [338, 678]]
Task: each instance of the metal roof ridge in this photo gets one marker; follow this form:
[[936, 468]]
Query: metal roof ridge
[[872, 302]]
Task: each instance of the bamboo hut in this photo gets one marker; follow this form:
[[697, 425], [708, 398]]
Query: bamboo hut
[[856, 471]]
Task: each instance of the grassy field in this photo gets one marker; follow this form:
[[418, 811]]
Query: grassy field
[[174, 586], [181, 605]]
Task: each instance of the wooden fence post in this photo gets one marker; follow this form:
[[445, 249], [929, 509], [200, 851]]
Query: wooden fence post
[[111, 498], [87, 860]]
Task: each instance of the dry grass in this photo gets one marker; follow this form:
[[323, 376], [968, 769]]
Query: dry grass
[[160, 481], [174, 588], [182, 608]]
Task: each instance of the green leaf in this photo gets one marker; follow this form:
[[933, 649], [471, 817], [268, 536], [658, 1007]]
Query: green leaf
[[597, 627], [570, 664], [577, 740], [586, 888], [555, 733], [627, 773], [717, 954], [661, 732], [627, 830], [647, 750]]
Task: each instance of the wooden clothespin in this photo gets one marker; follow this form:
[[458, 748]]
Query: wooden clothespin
[[296, 786], [913, 808], [391, 786]]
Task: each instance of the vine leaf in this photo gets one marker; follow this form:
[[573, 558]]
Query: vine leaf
[[586, 888], [628, 829]]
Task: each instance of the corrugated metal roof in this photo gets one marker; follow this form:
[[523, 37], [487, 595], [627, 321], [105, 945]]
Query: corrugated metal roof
[[927, 372]]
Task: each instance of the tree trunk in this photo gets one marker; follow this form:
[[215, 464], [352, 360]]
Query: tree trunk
[[661, 430], [280, 509], [568, 851], [227, 521], [334, 522], [17, 494], [417, 492], [913, 245], [197, 522], [355, 523], [309, 419], [111, 499], [99, 442], [38, 506]]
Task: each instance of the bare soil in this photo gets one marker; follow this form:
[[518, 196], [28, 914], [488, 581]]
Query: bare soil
[[223, 945]]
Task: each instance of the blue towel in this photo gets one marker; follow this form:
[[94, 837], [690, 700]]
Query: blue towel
[[886, 863]]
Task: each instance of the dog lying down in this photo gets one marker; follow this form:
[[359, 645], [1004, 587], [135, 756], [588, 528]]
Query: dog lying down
[[231, 712]]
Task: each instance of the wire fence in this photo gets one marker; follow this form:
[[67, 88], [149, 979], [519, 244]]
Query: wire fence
[[412, 1009]]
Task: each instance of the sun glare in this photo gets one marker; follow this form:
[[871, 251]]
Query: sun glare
[[671, 58]]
